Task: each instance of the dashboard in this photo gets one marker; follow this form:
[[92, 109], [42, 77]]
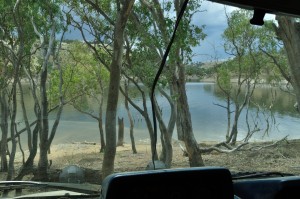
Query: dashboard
[[200, 182]]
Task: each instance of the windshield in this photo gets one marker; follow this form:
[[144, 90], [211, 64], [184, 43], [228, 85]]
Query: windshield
[[81, 97]]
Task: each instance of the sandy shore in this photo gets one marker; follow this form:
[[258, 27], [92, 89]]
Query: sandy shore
[[284, 157]]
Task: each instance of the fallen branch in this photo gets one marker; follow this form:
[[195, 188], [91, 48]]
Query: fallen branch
[[226, 145], [85, 142], [215, 148], [229, 149], [257, 148]]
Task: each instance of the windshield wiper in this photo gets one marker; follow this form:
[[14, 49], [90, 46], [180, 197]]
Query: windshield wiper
[[249, 175], [18, 186]]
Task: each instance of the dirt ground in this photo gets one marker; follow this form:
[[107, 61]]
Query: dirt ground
[[283, 157]]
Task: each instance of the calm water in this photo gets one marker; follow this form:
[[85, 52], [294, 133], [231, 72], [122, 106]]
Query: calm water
[[209, 121]]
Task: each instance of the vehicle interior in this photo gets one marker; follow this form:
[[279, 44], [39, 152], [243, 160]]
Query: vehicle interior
[[155, 181]]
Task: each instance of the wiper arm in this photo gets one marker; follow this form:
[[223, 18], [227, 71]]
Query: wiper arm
[[249, 175], [18, 186]]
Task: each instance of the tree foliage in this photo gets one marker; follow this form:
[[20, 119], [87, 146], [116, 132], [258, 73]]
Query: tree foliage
[[249, 66]]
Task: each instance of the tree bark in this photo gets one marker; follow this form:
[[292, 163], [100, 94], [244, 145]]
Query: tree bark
[[4, 131], [183, 111], [144, 113], [16, 62], [228, 109], [4, 115], [185, 123], [27, 125], [167, 152], [234, 131], [42, 169], [289, 32], [121, 132], [102, 141], [28, 166], [166, 155], [45, 138], [134, 151], [11, 168]]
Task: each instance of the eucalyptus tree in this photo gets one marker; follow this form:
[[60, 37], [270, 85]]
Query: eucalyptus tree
[[84, 78], [27, 22], [95, 21], [113, 19], [15, 40], [131, 131], [248, 66], [153, 43], [280, 45], [44, 22], [190, 35]]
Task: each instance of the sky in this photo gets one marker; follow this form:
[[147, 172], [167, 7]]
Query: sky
[[214, 18], [212, 15]]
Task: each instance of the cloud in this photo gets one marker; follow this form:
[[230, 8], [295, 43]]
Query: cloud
[[212, 15]]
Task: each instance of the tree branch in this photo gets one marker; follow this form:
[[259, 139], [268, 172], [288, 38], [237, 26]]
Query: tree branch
[[286, 76], [257, 148], [214, 148], [99, 10]]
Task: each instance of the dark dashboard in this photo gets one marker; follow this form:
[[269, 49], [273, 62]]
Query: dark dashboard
[[277, 187], [201, 182]]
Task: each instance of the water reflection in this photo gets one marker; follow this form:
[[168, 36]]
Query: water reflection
[[265, 95], [209, 121], [285, 116]]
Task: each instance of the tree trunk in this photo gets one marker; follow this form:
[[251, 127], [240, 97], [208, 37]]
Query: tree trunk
[[114, 83], [185, 122], [28, 166], [4, 131], [121, 132], [228, 117], [167, 153], [234, 131], [45, 141], [44, 131], [102, 142], [180, 135], [145, 115], [11, 168], [27, 125], [151, 133], [130, 121], [289, 32], [234, 134], [100, 121], [16, 65]]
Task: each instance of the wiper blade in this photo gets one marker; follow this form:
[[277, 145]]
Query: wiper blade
[[249, 175], [19, 185]]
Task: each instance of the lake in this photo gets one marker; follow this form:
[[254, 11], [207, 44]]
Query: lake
[[209, 120]]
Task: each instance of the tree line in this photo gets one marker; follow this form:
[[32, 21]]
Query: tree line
[[129, 39]]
